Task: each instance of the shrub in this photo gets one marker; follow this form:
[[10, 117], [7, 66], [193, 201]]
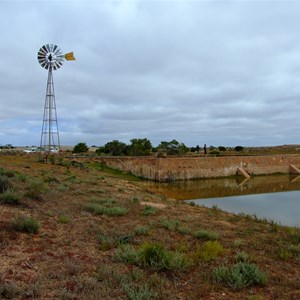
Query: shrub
[[5, 183], [35, 189], [139, 292], [99, 209], [169, 224], [239, 275], [149, 210], [10, 197], [204, 234], [141, 230], [153, 256], [26, 224], [127, 254], [64, 219], [208, 251]]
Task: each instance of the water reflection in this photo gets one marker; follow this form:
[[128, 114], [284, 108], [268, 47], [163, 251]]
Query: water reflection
[[275, 197]]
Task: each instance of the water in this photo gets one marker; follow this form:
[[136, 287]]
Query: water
[[274, 198]]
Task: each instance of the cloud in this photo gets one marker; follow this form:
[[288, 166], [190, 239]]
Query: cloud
[[215, 72]]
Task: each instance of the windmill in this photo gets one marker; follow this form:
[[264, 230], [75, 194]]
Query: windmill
[[51, 58]]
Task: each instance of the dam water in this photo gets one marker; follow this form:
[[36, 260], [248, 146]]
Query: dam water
[[272, 197]]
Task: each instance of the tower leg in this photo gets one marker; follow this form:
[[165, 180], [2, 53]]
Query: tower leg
[[50, 135]]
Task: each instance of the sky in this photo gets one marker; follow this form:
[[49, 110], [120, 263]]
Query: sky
[[223, 73]]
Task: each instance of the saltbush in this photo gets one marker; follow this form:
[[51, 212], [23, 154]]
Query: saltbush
[[10, 197], [26, 224], [240, 275]]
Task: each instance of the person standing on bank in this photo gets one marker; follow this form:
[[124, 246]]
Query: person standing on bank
[[204, 149], [198, 149]]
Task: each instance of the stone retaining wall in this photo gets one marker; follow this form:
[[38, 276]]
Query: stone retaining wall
[[184, 167]]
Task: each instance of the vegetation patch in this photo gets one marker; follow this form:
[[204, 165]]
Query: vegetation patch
[[26, 224], [154, 257], [208, 251], [240, 275], [206, 235], [10, 197]]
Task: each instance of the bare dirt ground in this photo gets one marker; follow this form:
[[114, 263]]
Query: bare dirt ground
[[91, 235]]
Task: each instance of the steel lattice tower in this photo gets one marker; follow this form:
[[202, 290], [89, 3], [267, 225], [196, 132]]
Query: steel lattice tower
[[50, 133]]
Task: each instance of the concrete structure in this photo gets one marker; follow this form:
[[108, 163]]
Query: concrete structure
[[191, 167]]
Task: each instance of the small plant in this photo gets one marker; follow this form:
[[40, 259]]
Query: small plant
[[139, 292], [205, 234], [157, 258], [149, 210], [8, 291], [35, 190], [169, 224], [10, 197], [208, 251], [64, 219], [5, 183], [239, 276], [184, 230], [26, 224], [127, 254], [141, 230], [241, 257], [99, 209]]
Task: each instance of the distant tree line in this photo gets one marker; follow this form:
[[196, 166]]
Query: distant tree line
[[142, 147]]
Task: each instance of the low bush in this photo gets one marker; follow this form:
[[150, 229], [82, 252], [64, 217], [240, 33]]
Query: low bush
[[99, 209], [141, 230], [35, 190], [26, 224], [149, 210], [208, 251], [205, 234], [169, 223], [239, 276], [10, 197], [153, 256], [5, 183]]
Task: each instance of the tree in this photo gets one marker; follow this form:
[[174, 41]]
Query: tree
[[239, 148], [114, 148], [81, 148], [173, 147], [139, 147], [222, 148]]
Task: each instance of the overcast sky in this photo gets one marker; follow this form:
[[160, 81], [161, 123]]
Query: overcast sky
[[216, 72]]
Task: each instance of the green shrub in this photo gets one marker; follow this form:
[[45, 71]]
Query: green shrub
[[64, 219], [99, 209], [207, 235], [127, 254], [35, 190], [157, 258], [169, 223], [208, 251], [241, 257], [5, 183], [26, 224], [141, 230], [10, 197], [149, 210], [239, 276], [139, 292], [153, 256]]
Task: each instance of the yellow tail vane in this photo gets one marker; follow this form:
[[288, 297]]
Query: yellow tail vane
[[70, 56]]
